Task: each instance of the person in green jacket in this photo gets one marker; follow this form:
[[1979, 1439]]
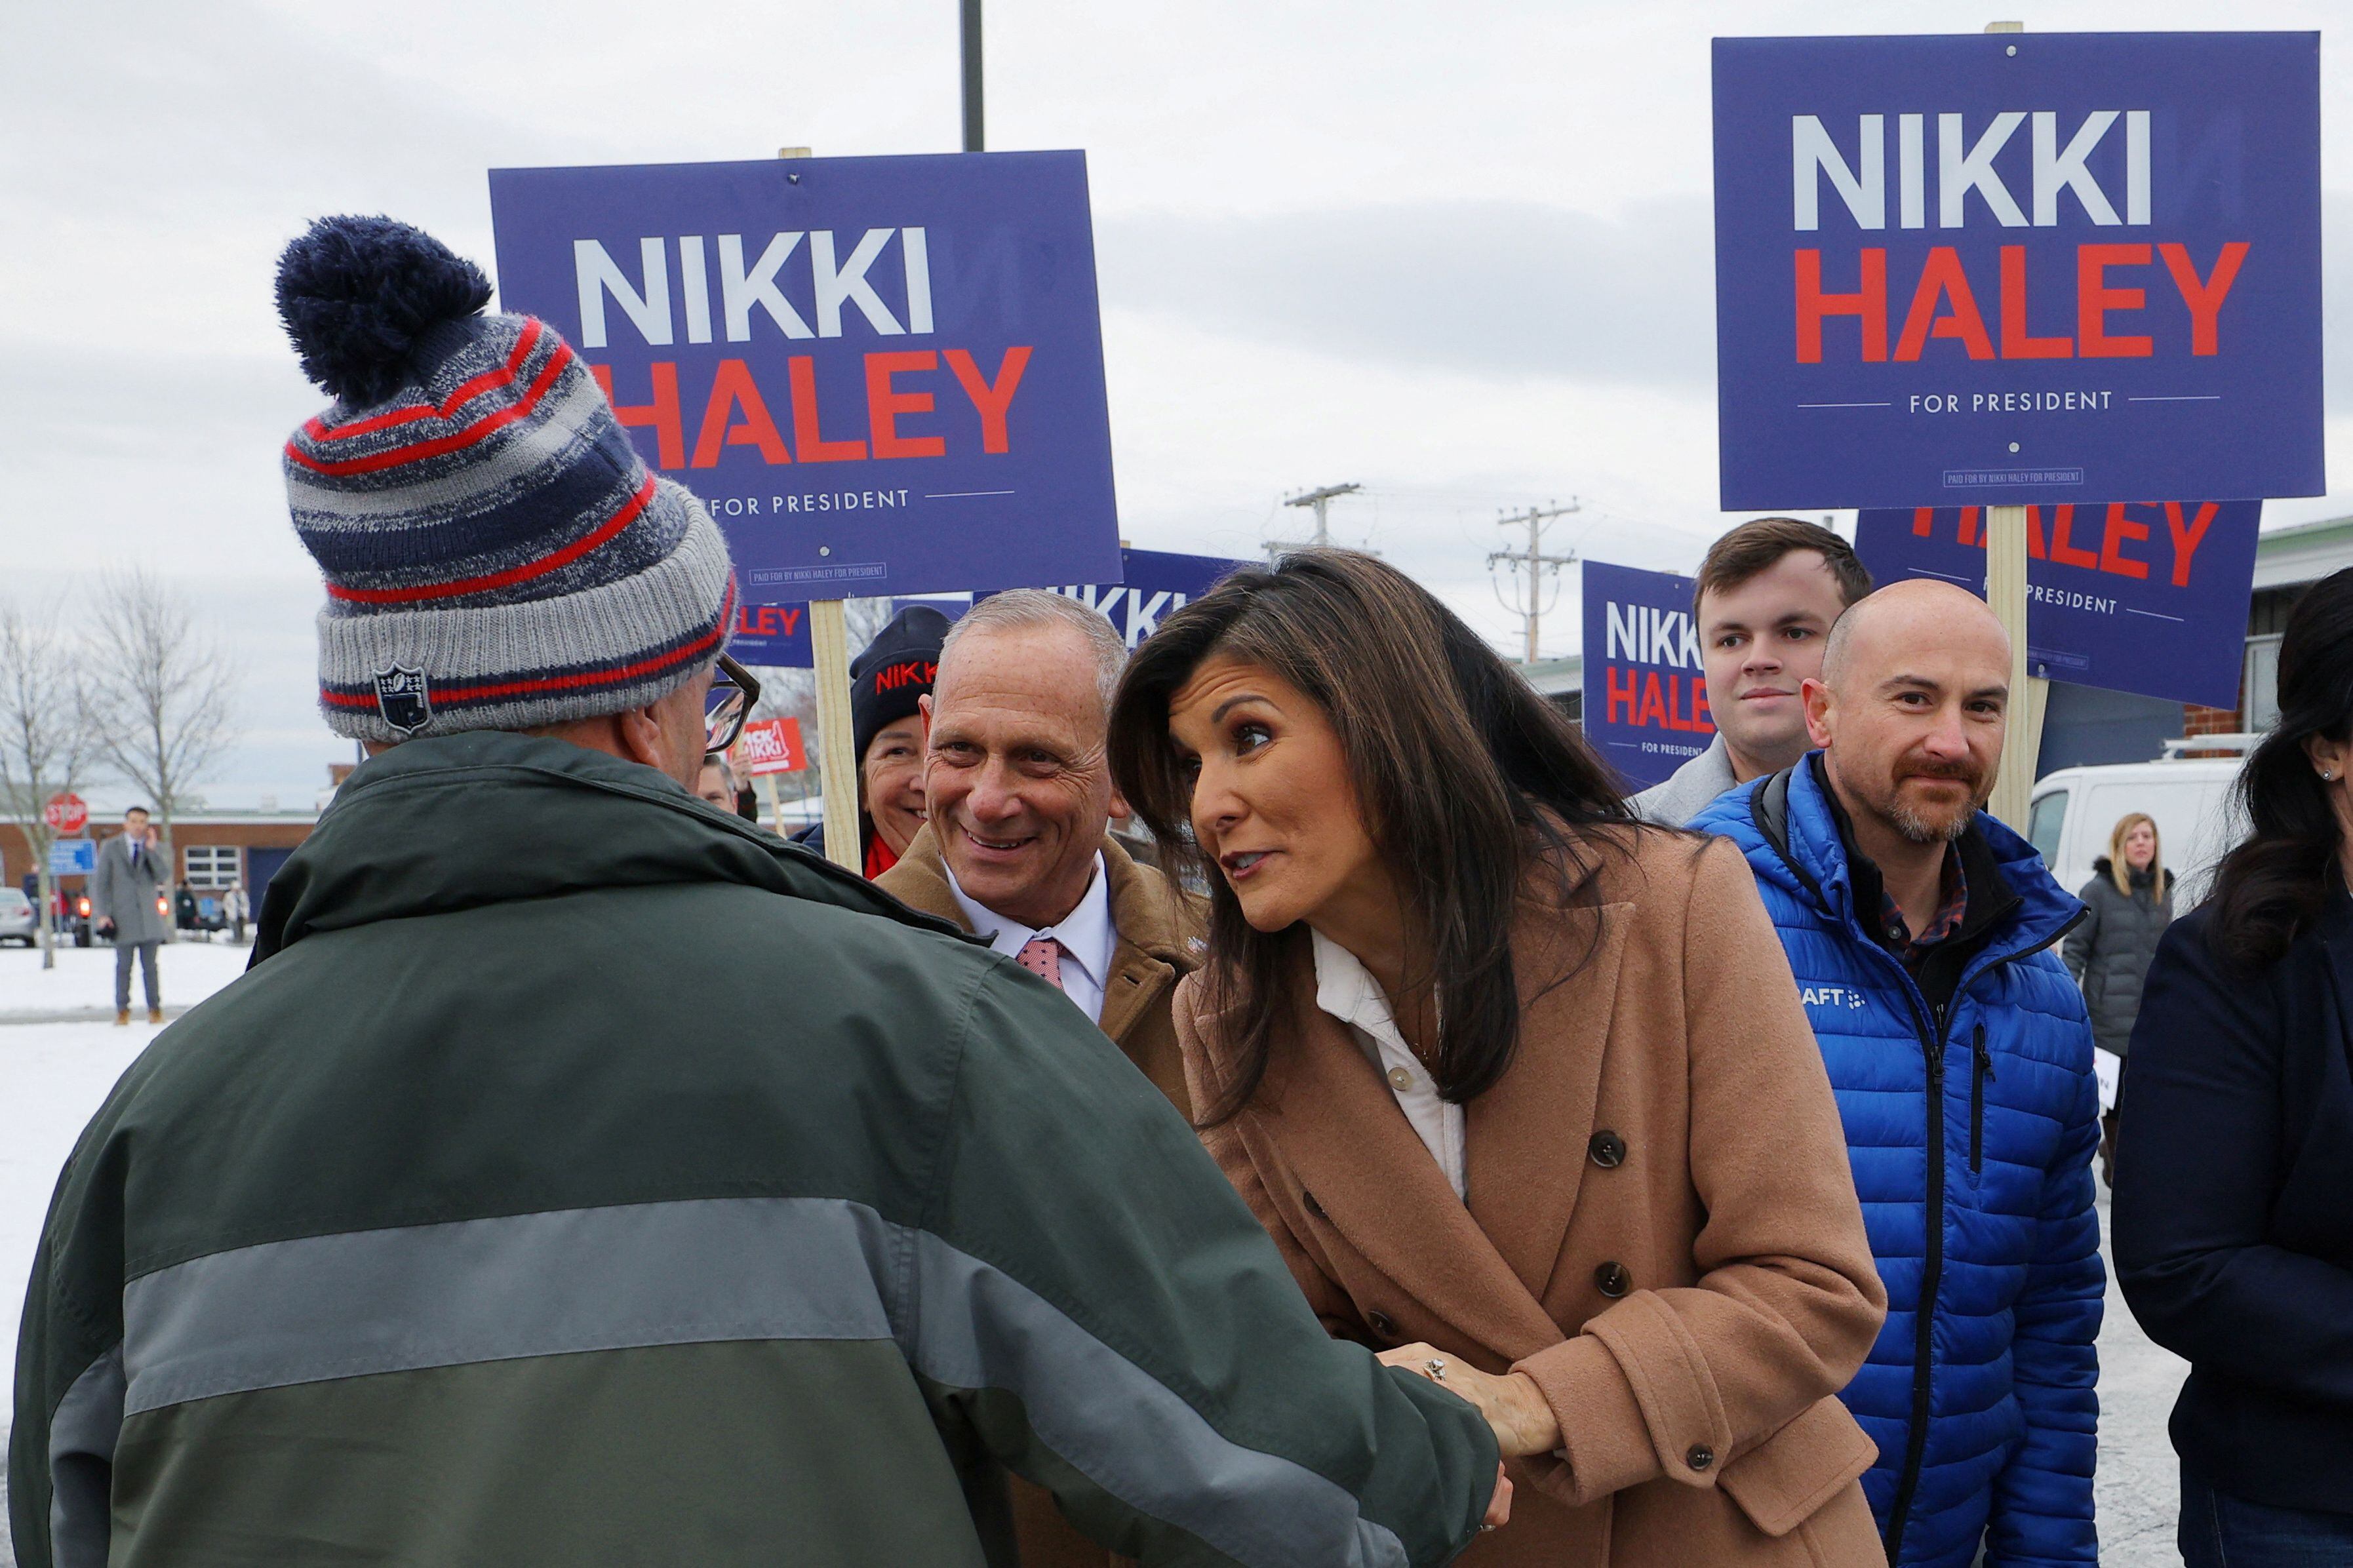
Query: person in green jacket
[[581, 1175]]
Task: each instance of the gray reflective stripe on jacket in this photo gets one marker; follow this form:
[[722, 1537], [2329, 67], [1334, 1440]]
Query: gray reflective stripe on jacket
[[576, 1280], [81, 1464]]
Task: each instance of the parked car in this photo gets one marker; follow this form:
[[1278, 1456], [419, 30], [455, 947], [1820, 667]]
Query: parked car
[[17, 920], [2074, 811]]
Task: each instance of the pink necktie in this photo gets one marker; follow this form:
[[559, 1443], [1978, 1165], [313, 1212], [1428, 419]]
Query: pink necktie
[[1043, 956]]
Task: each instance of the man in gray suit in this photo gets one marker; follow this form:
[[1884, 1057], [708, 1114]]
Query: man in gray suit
[[122, 894]]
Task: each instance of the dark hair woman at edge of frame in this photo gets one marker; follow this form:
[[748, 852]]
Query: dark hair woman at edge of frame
[[1616, 1210], [2233, 1213]]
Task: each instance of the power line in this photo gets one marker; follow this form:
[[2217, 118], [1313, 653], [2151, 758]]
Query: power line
[[1527, 601], [1320, 500]]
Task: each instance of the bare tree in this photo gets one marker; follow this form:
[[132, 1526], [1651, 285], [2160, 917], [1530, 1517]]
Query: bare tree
[[162, 693], [45, 740]]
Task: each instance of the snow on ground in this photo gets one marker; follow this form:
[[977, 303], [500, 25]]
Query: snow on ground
[[84, 977]]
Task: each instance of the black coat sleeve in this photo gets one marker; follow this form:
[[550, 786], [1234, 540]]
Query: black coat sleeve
[[2202, 1144]]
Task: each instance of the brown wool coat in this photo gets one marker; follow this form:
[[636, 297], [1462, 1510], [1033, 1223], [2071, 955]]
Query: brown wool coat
[[1160, 944], [1662, 1230]]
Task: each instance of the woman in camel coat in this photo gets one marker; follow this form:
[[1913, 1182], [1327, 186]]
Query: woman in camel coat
[[1612, 1205]]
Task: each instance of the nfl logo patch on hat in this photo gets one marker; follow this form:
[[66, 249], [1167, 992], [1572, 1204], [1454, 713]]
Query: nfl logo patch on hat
[[403, 698]]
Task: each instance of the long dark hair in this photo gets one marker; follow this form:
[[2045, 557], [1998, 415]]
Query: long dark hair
[[1463, 773], [2273, 886]]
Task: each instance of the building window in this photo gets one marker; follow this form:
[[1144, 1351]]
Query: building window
[[211, 865], [2259, 685]]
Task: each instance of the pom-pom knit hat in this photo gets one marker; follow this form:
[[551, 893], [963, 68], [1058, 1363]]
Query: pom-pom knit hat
[[496, 556]]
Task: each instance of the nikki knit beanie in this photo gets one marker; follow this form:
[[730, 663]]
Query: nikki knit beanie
[[892, 671], [496, 554]]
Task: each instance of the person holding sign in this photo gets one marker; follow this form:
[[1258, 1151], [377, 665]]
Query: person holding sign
[[1766, 596], [1519, 1087], [888, 681], [1920, 929], [2233, 1218], [582, 1175]]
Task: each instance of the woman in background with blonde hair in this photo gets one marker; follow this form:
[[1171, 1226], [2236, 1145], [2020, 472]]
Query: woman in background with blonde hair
[[2127, 904]]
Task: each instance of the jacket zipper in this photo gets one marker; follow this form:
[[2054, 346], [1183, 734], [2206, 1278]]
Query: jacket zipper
[[1932, 1271], [1978, 1083]]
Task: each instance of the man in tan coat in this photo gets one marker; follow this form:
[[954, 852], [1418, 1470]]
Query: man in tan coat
[[1020, 798]]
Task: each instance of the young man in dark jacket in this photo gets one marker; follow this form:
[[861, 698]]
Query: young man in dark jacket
[[581, 1175], [1918, 927]]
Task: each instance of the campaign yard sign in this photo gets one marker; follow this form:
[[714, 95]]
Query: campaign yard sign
[[883, 375], [778, 635], [2008, 268], [1152, 584], [772, 746], [1645, 689], [2146, 597]]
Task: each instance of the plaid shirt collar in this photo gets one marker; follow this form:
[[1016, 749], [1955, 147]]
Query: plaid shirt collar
[[1952, 904]]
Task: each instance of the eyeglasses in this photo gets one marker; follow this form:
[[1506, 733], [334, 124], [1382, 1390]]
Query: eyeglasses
[[733, 693]]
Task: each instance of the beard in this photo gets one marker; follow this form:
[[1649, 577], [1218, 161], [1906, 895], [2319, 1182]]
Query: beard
[[1922, 822]]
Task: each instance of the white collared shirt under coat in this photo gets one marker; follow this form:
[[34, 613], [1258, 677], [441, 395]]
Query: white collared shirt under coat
[[1346, 989], [1086, 934]]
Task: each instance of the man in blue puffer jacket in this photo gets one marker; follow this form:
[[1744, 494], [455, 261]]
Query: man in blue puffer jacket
[[1920, 930]]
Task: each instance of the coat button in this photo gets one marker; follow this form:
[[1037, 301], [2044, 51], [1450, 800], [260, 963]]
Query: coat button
[[1383, 1324], [1613, 1280], [1700, 1458], [1607, 1150]]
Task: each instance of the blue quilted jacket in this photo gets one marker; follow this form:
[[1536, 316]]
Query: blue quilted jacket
[[1983, 1404]]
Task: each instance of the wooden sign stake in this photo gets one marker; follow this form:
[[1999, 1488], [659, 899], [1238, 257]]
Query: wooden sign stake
[[836, 736], [2006, 595]]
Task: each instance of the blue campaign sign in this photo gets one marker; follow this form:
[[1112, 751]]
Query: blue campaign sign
[[778, 635], [2143, 597], [2011, 268], [1152, 584], [72, 857], [884, 375], [1645, 692]]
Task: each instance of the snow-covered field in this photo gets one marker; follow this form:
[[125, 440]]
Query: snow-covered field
[[54, 1076], [84, 977]]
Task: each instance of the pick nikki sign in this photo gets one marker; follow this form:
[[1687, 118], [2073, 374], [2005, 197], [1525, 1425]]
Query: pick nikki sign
[[1645, 689], [2011, 268], [882, 375], [2146, 597]]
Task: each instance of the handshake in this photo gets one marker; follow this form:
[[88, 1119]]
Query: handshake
[[1515, 1407]]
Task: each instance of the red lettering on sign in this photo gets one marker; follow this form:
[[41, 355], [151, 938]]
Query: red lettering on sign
[[1870, 305], [813, 447], [2015, 343], [1942, 278], [2120, 528], [730, 389], [2094, 299], [991, 400], [885, 403], [1970, 517], [2204, 299], [1654, 700], [2187, 536], [2063, 519], [1618, 694], [661, 414], [1702, 719], [1923, 517]]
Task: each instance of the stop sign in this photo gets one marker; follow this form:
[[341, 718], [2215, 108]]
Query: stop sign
[[67, 812]]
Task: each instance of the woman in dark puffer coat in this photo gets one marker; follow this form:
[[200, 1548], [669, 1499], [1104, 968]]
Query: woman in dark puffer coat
[[2127, 904]]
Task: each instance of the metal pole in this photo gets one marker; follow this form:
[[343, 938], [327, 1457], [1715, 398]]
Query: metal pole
[[973, 121]]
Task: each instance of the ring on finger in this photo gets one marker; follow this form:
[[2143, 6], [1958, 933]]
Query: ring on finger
[[1436, 1367]]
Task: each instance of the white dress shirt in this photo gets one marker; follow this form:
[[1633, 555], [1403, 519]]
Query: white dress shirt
[[1346, 989], [1086, 934]]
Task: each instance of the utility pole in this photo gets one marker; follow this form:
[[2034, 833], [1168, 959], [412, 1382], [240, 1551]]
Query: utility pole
[[972, 139], [1530, 604], [1321, 500]]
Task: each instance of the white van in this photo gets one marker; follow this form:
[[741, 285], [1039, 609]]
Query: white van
[[2074, 810]]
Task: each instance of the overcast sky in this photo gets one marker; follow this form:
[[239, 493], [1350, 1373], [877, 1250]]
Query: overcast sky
[[1458, 254]]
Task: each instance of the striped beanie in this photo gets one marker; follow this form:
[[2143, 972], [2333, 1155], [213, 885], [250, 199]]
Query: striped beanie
[[496, 554]]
